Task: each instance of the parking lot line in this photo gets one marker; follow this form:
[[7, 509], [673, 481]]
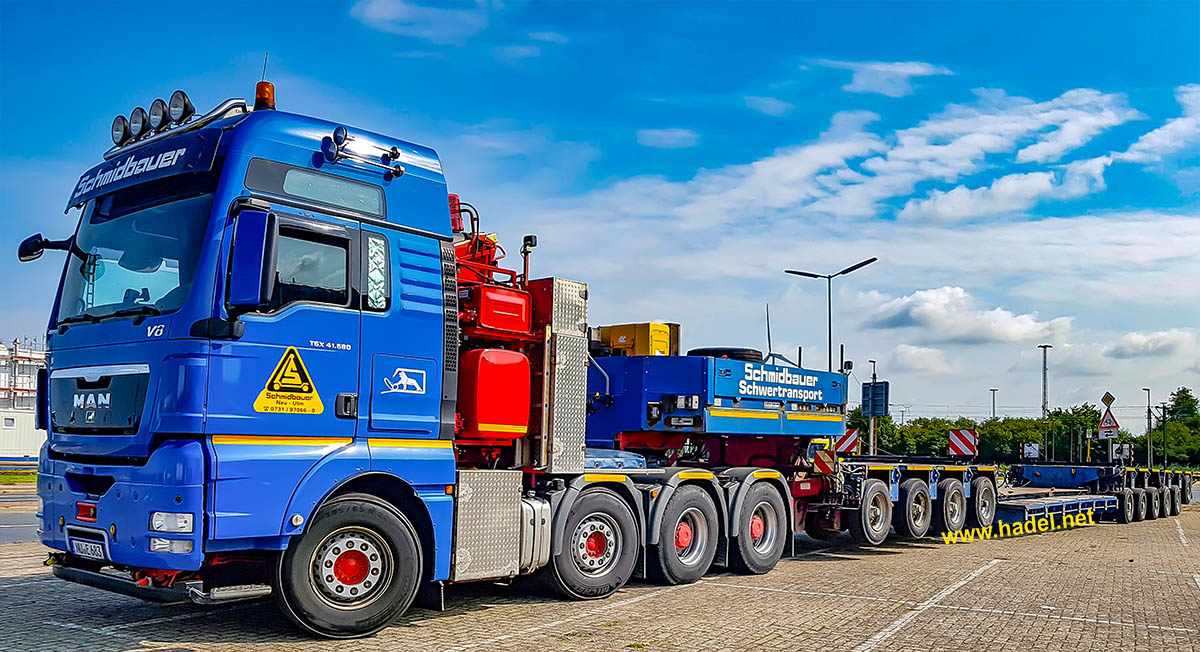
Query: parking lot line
[[893, 627], [1082, 619], [1182, 536]]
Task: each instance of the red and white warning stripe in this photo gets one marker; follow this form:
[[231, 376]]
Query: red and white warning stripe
[[848, 443], [824, 462], [964, 442]]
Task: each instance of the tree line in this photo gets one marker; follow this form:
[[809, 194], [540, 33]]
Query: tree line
[[1062, 436]]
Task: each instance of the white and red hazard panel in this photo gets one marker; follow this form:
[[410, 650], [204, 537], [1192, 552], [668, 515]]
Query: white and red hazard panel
[[825, 462], [964, 442], [847, 443]]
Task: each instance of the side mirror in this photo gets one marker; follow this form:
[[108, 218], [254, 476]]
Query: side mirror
[[252, 260], [848, 366], [31, 248]]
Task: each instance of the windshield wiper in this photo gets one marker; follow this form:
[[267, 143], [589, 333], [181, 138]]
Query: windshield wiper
[[146, 311], [87, 316]]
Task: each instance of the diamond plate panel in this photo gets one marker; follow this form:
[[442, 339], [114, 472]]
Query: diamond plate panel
[[566, 433], [569, 314], [487, 525]]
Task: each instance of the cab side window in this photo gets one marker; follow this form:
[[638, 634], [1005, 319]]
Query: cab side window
[[312, 268]]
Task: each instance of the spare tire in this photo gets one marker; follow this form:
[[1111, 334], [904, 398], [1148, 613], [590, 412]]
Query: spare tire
[[731, 352]]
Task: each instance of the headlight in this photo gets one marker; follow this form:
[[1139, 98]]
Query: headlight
[[139, 122], [174, 546], [120, 130], [180, 107], [158, 114], [171, 522]]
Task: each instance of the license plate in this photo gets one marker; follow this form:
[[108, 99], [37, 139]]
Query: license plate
[[88, 549]]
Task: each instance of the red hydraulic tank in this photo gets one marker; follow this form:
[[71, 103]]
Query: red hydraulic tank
[[493, 395]]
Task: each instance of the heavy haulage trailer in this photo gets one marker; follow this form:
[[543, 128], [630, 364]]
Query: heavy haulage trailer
[[1126, 493], [281, 363]]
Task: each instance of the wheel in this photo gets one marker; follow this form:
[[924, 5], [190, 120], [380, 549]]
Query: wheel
[[870, 523], [600, 547], [1185, 492], [353, 571], [761, 532], [914, 510], [1171, 498], [687, 537], [981, 510], [1139, 512], [1153, 503], [950, 510], [1126, 506]]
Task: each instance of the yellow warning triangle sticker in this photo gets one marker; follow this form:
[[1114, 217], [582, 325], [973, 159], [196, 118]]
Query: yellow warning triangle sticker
[[289, 389]]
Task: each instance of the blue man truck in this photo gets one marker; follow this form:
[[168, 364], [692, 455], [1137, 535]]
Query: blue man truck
[[280, 362]]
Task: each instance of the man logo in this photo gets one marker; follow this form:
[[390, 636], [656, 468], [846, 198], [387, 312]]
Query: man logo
[[92, 400], [405, 381]]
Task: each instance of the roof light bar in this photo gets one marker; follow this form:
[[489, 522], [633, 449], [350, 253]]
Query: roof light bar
[[120, 130]]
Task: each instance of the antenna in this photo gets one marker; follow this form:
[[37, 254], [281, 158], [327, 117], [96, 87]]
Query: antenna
[[264, 75], [769, 349]]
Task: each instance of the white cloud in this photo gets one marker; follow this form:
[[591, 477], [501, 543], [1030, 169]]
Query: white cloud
[[1176, 135], [516, 52], [1065, 360], [1011, 193], [769, 105], [893, 79], [440, 24], [668, 138], [951, 314], [920, 359], [1155, 344], [549, 37]]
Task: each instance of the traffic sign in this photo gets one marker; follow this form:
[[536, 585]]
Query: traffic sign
[[1108, 399], [1122, 451], [875, 399], [1108, 425], [1031, 451]]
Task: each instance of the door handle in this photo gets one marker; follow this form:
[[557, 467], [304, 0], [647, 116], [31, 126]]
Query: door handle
[[345, 406]]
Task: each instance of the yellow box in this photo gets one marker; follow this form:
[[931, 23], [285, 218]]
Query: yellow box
[[641, 339]]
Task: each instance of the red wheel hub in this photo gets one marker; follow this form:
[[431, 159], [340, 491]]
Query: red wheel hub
[[351, 567], [756, 527], [683, 536], [596, 544]]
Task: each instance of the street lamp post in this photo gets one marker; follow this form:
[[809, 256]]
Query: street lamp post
[[993, 391], [1149, 431], [1045, 404], [874, 379], [829, 294]]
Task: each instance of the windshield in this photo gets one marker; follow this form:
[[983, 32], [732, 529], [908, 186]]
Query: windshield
[[136, 249]]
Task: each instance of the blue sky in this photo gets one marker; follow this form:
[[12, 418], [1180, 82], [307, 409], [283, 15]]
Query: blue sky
[[1026, 173]]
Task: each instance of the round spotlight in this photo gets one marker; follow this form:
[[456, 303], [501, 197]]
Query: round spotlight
[[180, 107], [120, 130], [139, 122], [158, 114]]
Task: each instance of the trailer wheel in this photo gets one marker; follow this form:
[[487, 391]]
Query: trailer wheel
[[1126, 506], [353, 571], [687, 537], [982, 512], [914, 511], [1139, 512], [1185, 491], [870, 523], [1153, 503], [762, 531], [950, 513], [600, 547]]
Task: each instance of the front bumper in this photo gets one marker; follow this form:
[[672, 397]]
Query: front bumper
[[171, 480]]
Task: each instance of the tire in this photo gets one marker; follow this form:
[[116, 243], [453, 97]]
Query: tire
[[1139, 511], [913, 513], [762, 531], [600, 547], [687, 537], [1173, 507], [354, 538], [731, 352], [1186, 492], [981, 506], [870, 523], [1126, 506], [950, 510], [1153, 503]]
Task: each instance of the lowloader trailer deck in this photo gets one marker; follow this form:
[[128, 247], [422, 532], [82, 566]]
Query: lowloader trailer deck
[[1138, 493], [284, 361]]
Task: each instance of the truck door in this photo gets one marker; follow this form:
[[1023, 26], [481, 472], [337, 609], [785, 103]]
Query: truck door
[[281, 396]]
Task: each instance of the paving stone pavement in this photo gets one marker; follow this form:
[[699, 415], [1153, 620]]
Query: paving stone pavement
[[1107, 587]]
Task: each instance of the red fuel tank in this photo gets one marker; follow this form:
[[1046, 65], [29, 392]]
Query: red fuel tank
[[493, 394]]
